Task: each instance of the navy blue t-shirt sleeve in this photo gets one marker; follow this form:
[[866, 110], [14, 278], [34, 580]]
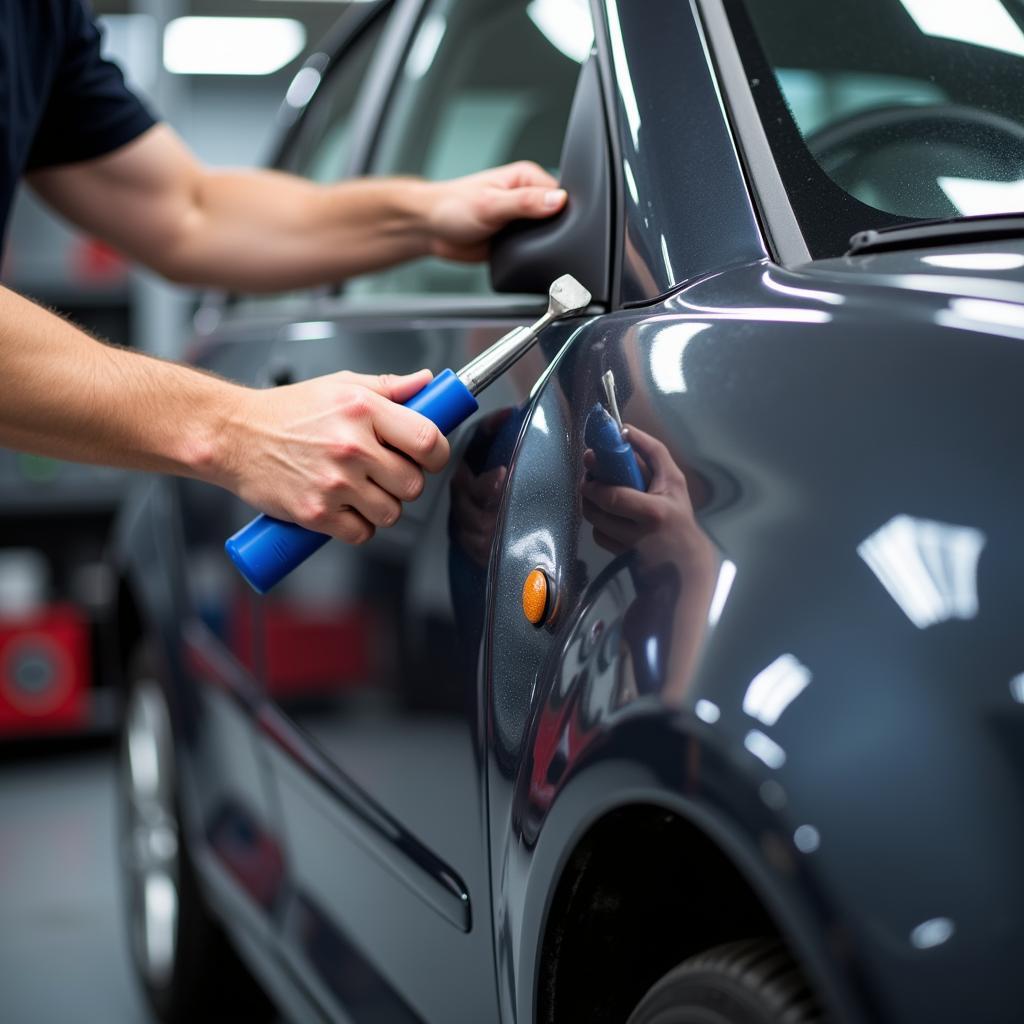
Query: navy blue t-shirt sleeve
[[90, 111]]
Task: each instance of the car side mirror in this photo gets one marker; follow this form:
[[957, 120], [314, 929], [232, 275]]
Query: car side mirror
[[527, 256]]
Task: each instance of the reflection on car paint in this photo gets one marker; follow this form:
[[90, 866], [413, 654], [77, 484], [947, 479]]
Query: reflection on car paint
[[930, 569]]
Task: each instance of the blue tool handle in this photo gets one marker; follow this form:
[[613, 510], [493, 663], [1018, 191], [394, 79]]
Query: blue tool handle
[[267, 549], [445, 401], [615, 461], [618, 466]]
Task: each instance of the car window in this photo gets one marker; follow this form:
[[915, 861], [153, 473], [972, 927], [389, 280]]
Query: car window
[[485, 82], [888, 111], [323, 143]]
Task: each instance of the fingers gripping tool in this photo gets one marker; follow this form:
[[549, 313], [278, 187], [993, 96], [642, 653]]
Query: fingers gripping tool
[[268, 549]]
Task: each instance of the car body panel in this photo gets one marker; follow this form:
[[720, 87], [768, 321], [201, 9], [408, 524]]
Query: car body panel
[[750, 378]]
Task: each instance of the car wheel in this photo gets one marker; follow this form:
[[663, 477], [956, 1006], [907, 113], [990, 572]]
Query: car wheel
[[750, 982], [181, 956]]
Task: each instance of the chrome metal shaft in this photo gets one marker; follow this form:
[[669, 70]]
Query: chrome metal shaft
[[566, 297]]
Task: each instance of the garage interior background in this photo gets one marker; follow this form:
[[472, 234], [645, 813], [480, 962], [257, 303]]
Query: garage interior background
[[62, 947]]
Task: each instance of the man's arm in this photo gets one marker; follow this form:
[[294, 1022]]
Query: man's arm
[[263, 230], [323, 453]]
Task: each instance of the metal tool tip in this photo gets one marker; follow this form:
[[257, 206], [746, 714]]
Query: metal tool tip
[[567, 295]]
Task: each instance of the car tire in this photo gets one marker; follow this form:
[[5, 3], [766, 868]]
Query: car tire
[[180, 954], [751, 982]]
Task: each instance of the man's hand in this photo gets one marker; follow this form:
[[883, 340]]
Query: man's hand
[[335, 454], [467, 211]]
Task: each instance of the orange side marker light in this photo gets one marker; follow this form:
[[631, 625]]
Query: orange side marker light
[[535, 596]]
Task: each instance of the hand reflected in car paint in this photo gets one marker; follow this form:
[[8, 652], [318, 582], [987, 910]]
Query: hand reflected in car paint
[[475, 502], [671, 559], [477, 485], [658, 523]]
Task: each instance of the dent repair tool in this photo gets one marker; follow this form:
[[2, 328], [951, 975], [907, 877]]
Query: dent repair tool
[[268, 549], [615, 460]]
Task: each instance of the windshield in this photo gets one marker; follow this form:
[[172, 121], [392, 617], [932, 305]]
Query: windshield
[[881, 112]]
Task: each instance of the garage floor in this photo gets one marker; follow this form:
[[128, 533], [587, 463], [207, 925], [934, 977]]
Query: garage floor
[[63, 953]]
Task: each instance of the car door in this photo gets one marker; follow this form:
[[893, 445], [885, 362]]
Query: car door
[[374, 722], [232, 798]]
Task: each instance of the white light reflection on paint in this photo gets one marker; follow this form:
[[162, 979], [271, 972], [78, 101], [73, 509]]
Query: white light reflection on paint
[[622, 74], [707, 711], [928, 568], [972, 196], [538, 545], [811, 294], [806, 839], [1017, 688], [565, 24], [627, 171], [987, 316], [773, 689], [667, 355], [1003, 314], [540, 420], [932, 933], [424, 49], [999, 289], [668, 259], [766, 314], [976, 261], [726, 575], [765, 749], [980, 23]]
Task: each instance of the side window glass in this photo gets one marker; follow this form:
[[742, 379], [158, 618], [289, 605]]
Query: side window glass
[[322, 146], [483, 84]]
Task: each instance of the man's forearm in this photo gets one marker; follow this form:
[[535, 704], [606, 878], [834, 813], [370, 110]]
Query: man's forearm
[[266, 231], [69, 396], [261, 230]]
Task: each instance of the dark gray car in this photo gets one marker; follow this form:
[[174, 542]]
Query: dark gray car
[[743, 745]]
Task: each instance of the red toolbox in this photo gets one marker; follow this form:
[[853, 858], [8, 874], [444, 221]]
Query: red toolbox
[[44, 671]]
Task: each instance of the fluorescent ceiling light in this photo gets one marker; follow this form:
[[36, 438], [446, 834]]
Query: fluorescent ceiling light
[[929, 569], [981, 23], [231, 46], [565, 24]]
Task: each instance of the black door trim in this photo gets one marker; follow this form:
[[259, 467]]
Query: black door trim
[[394, 848]]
